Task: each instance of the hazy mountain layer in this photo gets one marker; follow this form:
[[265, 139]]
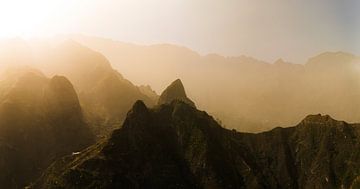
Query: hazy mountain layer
[[245, 93], [40, 120], [176, 146], [105, 95]]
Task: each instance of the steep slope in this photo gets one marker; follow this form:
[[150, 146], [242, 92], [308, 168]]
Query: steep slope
[[175, 91], [40, 120], [177, 146]]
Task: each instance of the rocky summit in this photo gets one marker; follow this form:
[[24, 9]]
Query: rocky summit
[[175, 91]]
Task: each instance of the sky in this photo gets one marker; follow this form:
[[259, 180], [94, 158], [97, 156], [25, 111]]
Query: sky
[[266, 29]]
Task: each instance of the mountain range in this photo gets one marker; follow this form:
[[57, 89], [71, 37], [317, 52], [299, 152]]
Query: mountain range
[[244, 93], [174, 145], [104, 94], [69, 119]]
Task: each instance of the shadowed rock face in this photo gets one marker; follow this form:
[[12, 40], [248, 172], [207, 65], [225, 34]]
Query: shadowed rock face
[[176, 146], [175, 91], [40, 120]]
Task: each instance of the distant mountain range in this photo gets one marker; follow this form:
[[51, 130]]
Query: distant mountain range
[[245, 93], [174, 145]]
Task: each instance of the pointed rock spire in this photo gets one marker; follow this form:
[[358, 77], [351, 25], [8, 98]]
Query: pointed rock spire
[[139, 106], [175, 91]]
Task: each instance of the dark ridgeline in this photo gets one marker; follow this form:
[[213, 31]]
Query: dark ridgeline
[[174, 145]]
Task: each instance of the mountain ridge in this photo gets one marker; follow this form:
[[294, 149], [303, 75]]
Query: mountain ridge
[[182, 147], [244, 93]]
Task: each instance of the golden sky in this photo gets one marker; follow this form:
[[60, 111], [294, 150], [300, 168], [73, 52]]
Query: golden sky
[[293, 30]]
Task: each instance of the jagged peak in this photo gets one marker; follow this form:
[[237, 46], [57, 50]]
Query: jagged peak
[[139, 107], [175, 91], [177, 84], [137, 117]]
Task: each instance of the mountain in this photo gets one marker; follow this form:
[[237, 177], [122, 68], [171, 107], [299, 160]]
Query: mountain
[[177, 146], [174, 145], [175, 91], [40, 120], [104, 94], [244, 93]]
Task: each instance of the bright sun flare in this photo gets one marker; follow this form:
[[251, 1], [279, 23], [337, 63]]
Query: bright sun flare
[[26, 18]]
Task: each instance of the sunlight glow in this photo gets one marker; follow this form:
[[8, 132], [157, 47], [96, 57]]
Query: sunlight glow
[[25, 18]]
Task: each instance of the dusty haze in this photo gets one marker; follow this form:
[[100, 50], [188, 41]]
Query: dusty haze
[[242, 92], [293, 30], [203, 94]]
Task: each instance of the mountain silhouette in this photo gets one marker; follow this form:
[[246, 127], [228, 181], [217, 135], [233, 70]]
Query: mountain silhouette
[[175, 91], [175, 145]]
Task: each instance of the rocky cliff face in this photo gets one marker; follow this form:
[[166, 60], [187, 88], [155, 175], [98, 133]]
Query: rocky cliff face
[[177, 146]]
